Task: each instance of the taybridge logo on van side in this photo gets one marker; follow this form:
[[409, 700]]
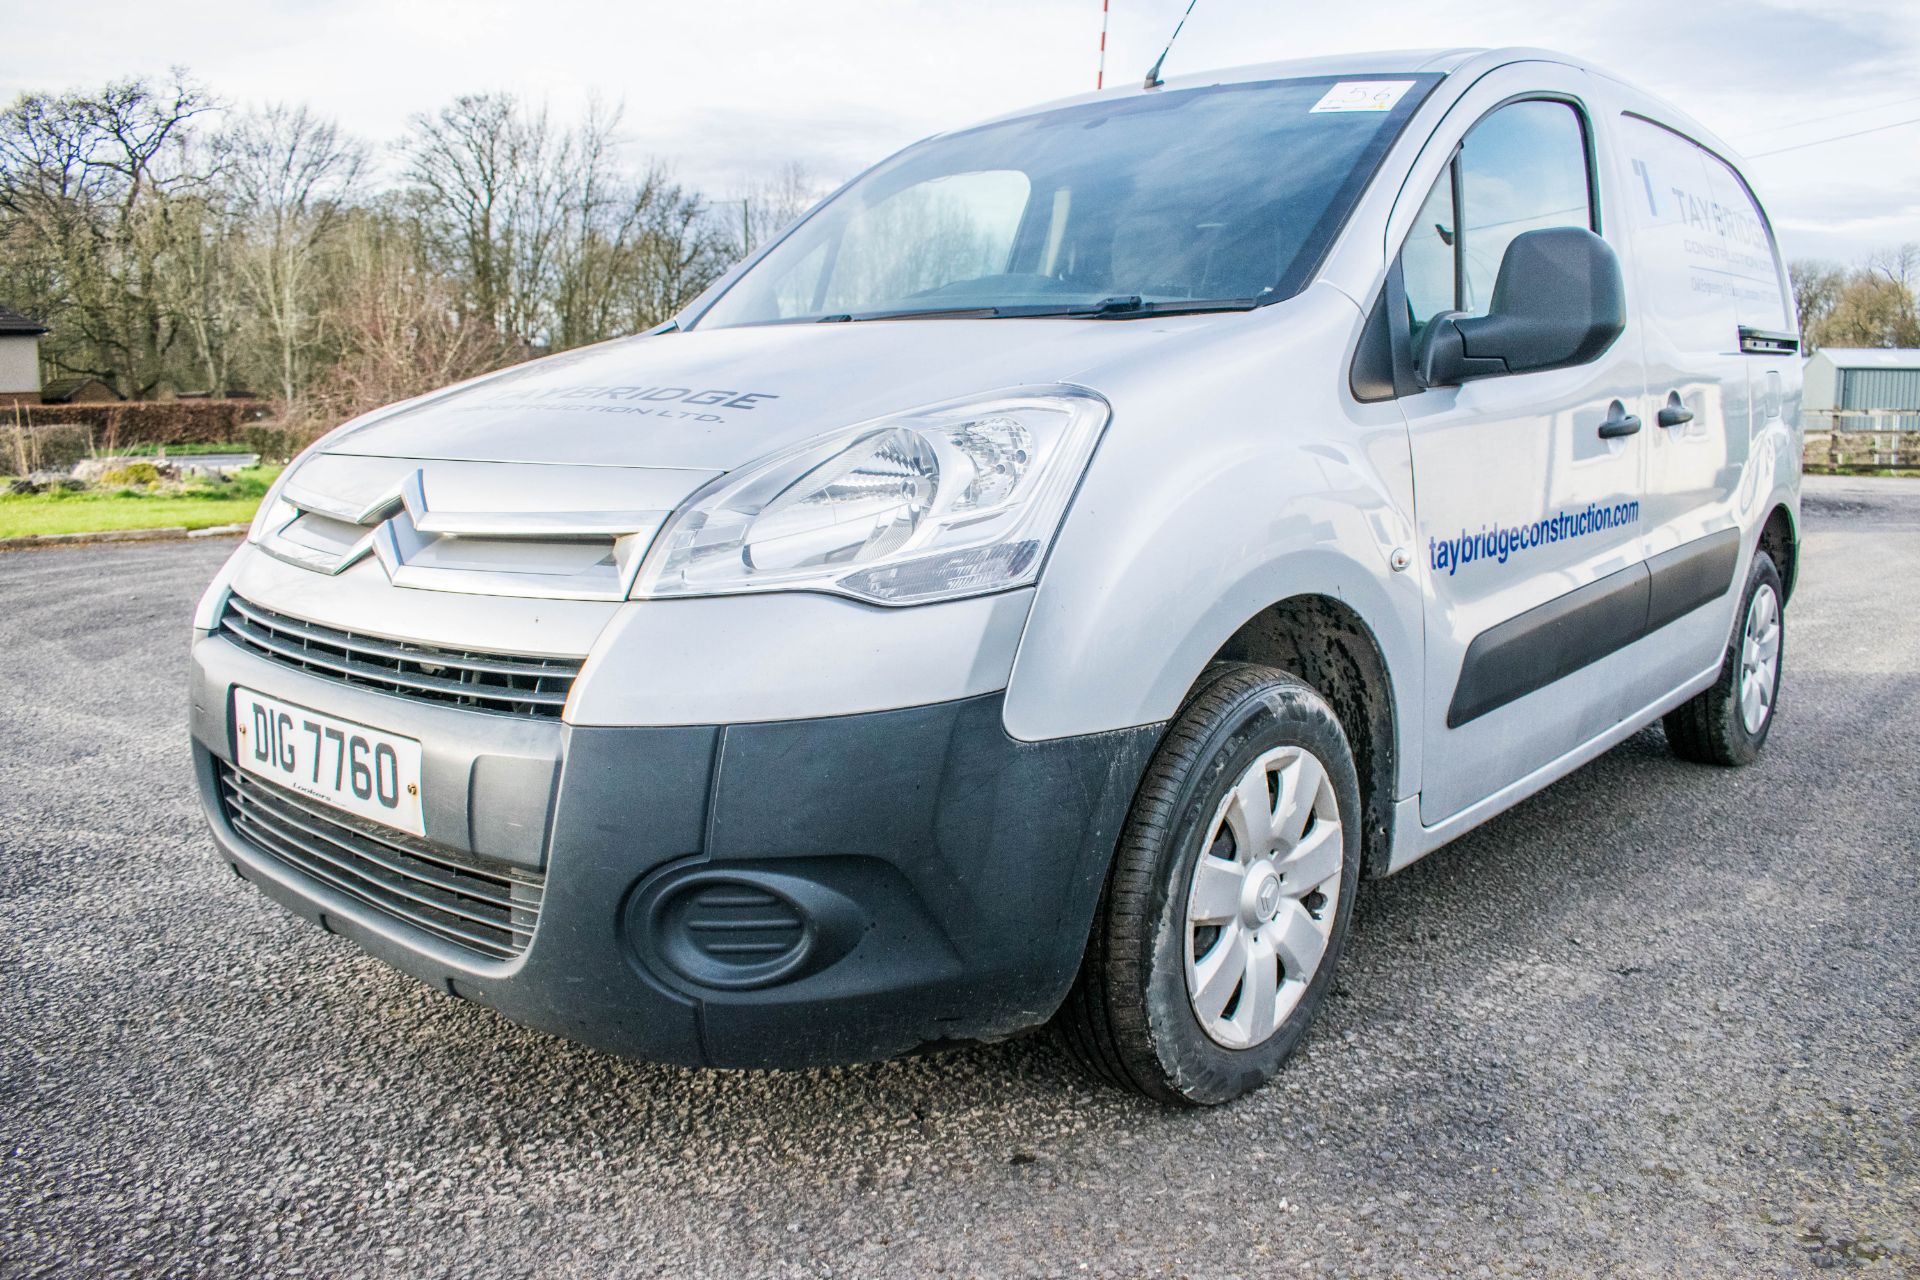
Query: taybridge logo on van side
[[1504, 541]]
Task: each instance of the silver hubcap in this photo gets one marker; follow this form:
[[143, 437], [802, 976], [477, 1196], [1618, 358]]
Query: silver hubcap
[[1264, 894], [1759, 659]]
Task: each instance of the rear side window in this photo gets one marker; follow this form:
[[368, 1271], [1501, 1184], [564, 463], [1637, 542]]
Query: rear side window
[[1760, 298], [1522, 168], [1706, 257]]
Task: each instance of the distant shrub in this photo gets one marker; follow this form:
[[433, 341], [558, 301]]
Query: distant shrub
[[144, 474], [136, 422], [277, 443]]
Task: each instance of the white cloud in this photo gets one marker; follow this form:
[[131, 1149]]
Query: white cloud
[[728, 88]]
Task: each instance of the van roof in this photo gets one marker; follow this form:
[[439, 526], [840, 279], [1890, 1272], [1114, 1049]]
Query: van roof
[[1470, 62], [1377, 62], [1384, 60]]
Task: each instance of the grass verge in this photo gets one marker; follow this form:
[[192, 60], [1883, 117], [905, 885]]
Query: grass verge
[[196, 507], [181, 450]]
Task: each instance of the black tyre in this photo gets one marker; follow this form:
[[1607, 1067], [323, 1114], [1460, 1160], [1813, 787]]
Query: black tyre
[[1229, 899], [1728, 723]]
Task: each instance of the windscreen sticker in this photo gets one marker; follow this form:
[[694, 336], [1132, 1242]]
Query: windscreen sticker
[[1362, 95]]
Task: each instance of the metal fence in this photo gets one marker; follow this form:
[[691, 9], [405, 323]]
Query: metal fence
[[1862, 439]]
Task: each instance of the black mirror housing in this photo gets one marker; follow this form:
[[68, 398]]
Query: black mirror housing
[[1559, 301]]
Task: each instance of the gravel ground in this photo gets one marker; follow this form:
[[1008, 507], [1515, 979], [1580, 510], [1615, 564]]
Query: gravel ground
[[1660, 1020]]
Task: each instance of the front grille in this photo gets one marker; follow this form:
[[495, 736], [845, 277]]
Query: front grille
[[498, 682], [485, 909]]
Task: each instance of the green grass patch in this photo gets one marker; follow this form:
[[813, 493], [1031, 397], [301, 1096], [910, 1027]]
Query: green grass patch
[[179, 450], [198, 506]]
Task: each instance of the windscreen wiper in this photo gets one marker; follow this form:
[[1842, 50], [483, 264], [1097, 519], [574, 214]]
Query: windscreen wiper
[[1128, 307], [942, 313], [1120, 307]]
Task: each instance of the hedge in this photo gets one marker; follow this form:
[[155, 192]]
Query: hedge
[[53, 436], [115, 423]]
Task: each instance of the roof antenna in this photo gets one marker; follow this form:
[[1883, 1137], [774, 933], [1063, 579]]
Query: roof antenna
[[1100, 76], [1153, 76]]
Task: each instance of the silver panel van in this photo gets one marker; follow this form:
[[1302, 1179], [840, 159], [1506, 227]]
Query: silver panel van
[[1039, 585]]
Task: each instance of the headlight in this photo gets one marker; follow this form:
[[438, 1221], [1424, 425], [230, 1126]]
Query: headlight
[[954, 500]]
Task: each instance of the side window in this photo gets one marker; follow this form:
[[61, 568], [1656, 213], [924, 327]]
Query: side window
[[1685, 295], [1759, 296], [1521, 168], [1705, 253]]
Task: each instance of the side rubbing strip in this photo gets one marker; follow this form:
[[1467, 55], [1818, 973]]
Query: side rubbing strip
[[1556, 639], [1687, 577], [1543, 644]]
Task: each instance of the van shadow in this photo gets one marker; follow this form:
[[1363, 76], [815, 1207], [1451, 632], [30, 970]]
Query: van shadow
[[1400, 1073], [1414, 935]]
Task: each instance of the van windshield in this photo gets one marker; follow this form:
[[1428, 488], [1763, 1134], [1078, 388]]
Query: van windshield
[[1217, 198]]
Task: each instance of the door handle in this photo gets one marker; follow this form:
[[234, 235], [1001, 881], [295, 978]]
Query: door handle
[[1618, 422], [1675, 414]]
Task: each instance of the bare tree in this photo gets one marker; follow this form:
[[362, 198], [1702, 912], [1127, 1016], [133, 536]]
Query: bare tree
[[85, 181], [400, 323], [164, 255], [460, 164], [292, 176], [1816, 287], [1897, 265], [775, 204]]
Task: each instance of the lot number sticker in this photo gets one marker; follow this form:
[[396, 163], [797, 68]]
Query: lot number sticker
[[1362, 95]]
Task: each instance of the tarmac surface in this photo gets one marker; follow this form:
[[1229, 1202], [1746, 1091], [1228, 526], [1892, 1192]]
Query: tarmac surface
[[1659, 1020]]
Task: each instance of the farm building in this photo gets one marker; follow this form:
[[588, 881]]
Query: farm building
[[1864, 388], [19, 358]]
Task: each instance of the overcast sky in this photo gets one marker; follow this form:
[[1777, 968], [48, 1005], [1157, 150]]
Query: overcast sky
[[722, 89]]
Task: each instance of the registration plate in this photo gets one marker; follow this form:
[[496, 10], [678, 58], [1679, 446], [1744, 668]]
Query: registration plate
[[364, 771]]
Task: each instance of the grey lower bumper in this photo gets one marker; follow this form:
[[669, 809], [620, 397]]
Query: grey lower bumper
[[774, 894]]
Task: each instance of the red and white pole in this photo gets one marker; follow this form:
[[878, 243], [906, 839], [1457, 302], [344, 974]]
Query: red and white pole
[[1100, 76]]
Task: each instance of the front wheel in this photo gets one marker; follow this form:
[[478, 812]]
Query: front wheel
[[1229, 899], [1727, 724]]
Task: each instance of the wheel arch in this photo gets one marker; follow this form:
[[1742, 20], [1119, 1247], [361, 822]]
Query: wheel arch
[[1326, 643], [1780, 541]]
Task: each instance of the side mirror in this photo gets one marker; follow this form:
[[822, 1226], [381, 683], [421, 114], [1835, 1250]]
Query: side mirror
[[1558, 302]]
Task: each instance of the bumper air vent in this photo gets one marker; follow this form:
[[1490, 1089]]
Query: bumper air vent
[[481, 908]]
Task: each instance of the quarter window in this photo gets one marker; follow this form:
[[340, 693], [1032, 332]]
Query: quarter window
[[1428, 264]]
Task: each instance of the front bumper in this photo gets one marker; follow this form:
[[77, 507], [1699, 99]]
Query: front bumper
[[926, 877]]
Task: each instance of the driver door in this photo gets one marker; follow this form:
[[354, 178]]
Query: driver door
[[1528, 514]]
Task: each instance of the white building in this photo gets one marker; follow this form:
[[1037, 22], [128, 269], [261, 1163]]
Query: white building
[[19, 358]]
